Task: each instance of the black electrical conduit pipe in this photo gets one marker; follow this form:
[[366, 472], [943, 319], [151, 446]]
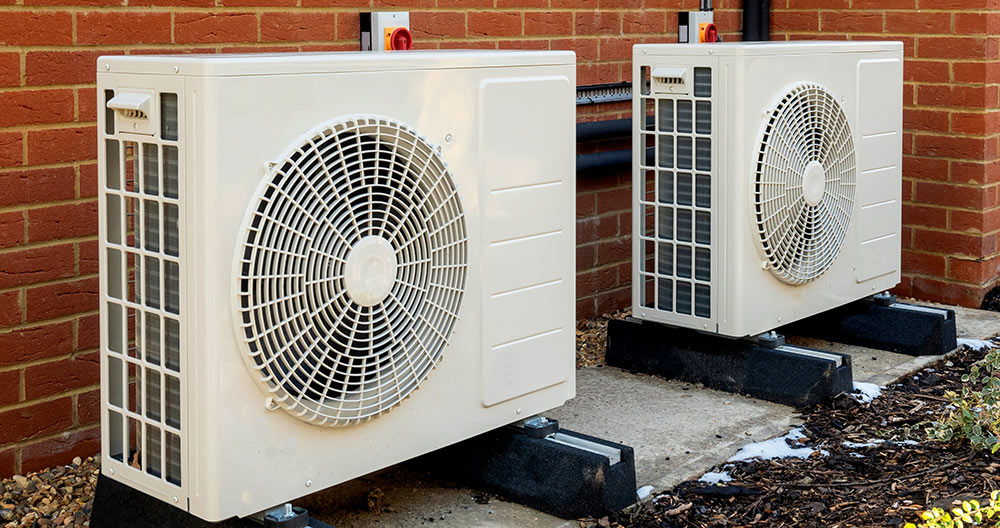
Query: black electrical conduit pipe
[[756, 20], [601, 131], [756, 27]]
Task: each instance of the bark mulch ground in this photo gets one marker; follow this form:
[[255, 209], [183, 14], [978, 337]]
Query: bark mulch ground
[[885, 483]]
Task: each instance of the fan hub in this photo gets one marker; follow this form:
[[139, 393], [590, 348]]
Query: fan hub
[[370, 271], [813, 182]]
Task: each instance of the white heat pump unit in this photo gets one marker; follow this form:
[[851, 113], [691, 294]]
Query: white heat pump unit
[[766, 180], [293, 244]]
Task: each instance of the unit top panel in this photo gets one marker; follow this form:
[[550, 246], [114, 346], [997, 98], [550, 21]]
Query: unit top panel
[[751, 49], [327, 62]]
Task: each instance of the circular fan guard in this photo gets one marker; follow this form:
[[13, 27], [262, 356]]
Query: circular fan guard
[[352, 271], [804, 183]]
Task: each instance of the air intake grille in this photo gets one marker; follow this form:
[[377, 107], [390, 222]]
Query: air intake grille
[[675, 261], [804, 183], [141, 202], [352, 271]]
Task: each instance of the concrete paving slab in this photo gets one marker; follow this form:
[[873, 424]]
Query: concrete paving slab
[[674, 427], [678, 430]]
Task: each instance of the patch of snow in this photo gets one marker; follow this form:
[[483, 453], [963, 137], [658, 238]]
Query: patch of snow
[[644, 492], [868, 391], [856, 455], [856, 445], [715, 477], [975, 344], [775, 448], [877, 441]]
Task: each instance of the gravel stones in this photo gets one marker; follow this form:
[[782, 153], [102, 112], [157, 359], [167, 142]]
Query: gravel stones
[[592, 336], [58, 497]]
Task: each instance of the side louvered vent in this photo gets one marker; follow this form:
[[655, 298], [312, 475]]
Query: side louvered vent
[[676, 222], [141, 241], [352, 271]]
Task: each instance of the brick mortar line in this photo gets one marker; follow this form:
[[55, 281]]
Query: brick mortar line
[[933, 254], [53, 436], [47, 322], [48, 399], [48, 87], [47, 127], [43, 361], [952, 110], [47, 283], [601, 267], [61, 165], [13, 208], [940, 230], [945, 207], [931, 133]]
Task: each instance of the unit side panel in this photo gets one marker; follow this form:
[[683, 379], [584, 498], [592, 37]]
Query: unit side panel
[[143, 357], [676, 192], [528, 235], [880, 87]]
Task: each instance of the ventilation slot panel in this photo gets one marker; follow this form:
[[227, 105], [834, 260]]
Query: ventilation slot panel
[[141, 291], [676, 256]]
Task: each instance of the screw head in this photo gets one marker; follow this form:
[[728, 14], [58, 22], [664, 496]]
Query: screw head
[[111, 471], [449, 138], [177, 69], [518, 410], [175, 499], [107, 67], [309, 483]]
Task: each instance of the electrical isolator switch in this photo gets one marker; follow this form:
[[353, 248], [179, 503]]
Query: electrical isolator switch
[[696, 27], [708, 33], [398, 39], [386, 31]]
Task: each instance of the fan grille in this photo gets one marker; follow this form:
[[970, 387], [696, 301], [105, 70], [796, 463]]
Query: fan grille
[[352, 271], [804, 183]]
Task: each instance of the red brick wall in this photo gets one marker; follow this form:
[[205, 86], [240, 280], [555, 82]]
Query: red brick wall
[[48, 251], [951, 116]]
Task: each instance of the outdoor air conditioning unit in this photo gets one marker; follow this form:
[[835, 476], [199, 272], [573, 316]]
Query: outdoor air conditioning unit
[[292, 244], [766, 180]]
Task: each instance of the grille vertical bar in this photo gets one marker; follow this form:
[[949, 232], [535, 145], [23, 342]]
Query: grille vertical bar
[[140, 293], [675, 205]]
